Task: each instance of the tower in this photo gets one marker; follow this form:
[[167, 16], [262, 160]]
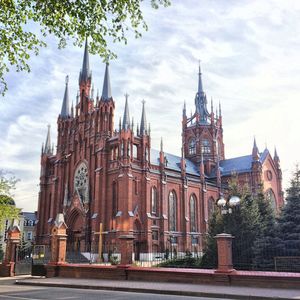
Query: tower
[[202, 132]]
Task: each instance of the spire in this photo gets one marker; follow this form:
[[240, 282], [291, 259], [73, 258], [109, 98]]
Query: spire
[[120, 124], [72, 110], [211, 106], [85, 72], [201, 101], [276, 157], [65, 109], [126, 118], [132, 125], [106, 91], [143, 127], [161, 145], [255, 152], [47, 148], [220, 111], [184, 109]]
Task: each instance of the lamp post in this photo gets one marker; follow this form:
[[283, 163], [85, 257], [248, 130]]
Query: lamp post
[[224, 240], [227, 206]]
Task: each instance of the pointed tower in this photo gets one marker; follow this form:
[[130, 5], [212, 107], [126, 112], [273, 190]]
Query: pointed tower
[[106, 105], [143, 126], [202, 133], [126, 118], [255, 152], [201, 101], [85, 81], [47, 148], [256, 168], [106, 90], [65, 109]]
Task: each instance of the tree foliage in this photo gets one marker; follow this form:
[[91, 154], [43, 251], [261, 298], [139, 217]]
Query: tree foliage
[[7, 204], [289, 219], [244, 224], [103, 21]]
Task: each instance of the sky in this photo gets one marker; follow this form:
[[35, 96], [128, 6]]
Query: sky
[[249, 52]]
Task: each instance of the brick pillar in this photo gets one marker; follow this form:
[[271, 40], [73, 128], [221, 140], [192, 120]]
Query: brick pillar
[[7, 268], [126, 249], [58, 241], [224, 243]]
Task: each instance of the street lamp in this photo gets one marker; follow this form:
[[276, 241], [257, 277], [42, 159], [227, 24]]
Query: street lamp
[[226, 206]]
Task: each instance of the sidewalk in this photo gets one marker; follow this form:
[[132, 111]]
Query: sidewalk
[[211, 291]]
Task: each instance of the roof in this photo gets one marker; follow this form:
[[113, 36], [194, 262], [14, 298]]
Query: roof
[[29, 215], [174, 162], [240, 164]]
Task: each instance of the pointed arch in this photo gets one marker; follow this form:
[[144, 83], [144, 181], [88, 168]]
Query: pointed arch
[[172, 203], [154, 203], [193, 215]]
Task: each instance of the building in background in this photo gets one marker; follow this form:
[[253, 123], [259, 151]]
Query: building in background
[[102, 173]]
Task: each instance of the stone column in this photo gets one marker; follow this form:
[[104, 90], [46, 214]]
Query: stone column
[[58, 241], [126, 250], [224, 243], [7, 268]]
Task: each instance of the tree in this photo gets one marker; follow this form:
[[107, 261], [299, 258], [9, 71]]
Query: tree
[[289, 219], [104, 21], [243, 224], [266, 245], [7, 204]]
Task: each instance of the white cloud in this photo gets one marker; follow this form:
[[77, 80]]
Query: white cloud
[[250, 62]]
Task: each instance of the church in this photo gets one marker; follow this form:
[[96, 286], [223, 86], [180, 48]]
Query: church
[[110, 175]]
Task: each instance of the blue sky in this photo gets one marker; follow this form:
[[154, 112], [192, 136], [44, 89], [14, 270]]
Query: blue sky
[[249, 52]]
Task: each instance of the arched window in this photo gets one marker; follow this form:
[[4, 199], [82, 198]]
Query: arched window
[[114, 199], [206, 146], [270, 196], [134, 151], [153, 200], [81, 182], [211, 207], [172, 211], [193, 217], [192, 146]]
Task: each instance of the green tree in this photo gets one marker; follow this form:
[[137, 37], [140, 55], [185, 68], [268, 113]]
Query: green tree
[[289, 219], [242, 223], [266, 245], [104, 21], [7, 204]]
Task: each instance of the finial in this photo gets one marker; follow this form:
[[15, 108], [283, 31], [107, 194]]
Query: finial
[[137, 129], [220, 111], [143, 127], [161, 145], [120, 124], [92, 92], [126, 118], [132, 124], [77, 98], [211, 105]]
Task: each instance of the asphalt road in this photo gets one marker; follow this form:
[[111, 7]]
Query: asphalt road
[[16, 292]]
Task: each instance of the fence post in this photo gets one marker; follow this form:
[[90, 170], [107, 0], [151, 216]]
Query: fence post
[[224, 243], [7, 268], [126, 249], [58, 241]]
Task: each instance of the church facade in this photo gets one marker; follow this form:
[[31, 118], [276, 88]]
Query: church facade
[[103, 175]]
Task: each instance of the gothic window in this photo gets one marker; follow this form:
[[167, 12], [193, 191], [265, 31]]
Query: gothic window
[[193, 219], [154, 200], [206, 146], [211, 207], [134, 151], [172, 211], [270, 196], [114, 199], [81, 182], [128, 149], [192, 146]]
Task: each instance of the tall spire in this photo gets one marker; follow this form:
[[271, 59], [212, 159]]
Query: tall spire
[[85, 72], [255, 152], [65, 109], [143, 127], [201, 101], [47, 148], [276, 157], [126, 118], [106, 91], [200, 86]]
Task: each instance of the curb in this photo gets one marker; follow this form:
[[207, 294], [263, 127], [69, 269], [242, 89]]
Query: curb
[[150, 291]]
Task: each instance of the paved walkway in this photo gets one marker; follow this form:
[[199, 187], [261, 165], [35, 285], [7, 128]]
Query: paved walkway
[[183, 289]]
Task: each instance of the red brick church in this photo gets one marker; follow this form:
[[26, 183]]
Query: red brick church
[[102, 173]]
